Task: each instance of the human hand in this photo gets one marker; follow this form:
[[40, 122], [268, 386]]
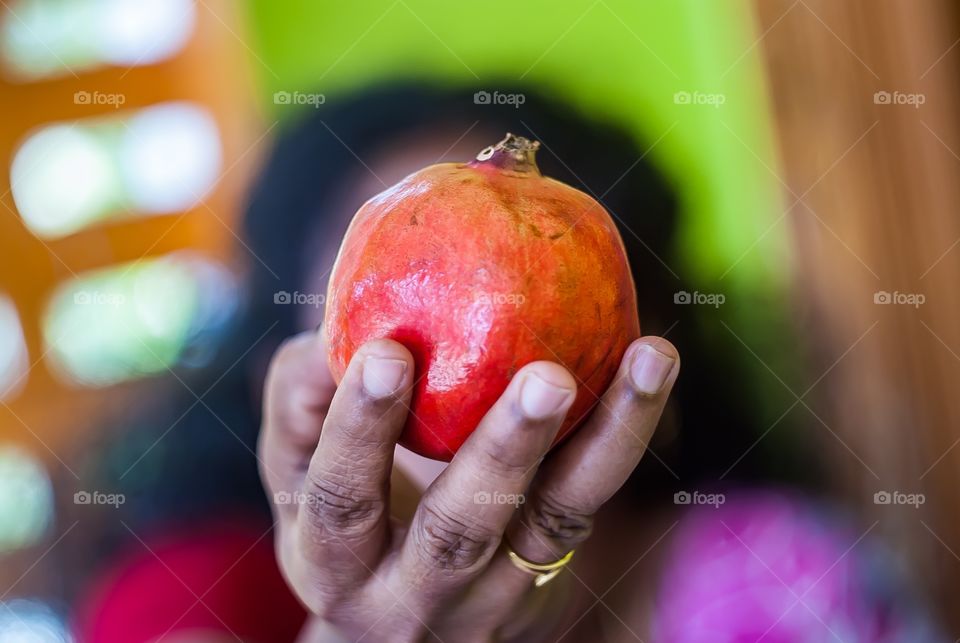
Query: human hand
[[326, 455]]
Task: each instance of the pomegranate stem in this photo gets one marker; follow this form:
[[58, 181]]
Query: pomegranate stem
[[512, 154]]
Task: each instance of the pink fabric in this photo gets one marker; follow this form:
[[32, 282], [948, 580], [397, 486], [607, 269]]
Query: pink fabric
[[229, 566], [769, 568]]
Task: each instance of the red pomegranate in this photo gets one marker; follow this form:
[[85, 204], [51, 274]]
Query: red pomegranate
[[478, 269]]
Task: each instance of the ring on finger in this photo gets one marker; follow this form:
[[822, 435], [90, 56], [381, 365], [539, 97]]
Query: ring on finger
[[544, 572]]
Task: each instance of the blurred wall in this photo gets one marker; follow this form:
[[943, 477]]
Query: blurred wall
[[127, 135], [866, 106]]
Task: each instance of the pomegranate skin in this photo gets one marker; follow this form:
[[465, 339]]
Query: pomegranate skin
[[479, 269]]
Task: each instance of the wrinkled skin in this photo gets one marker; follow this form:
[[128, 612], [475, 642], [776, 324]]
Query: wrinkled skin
[[478, 271]]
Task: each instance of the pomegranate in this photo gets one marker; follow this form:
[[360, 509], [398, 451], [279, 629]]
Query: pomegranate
[[478, 269]]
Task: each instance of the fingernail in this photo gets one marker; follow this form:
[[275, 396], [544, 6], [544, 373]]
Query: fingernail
[[650, 369], [539, 399], [383, 376]]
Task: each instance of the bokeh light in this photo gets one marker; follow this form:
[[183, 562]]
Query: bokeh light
[[13, 350], [157, 160], [27, 621], [170, 157], [43, 38], [62, 178], [136, 319], [26, 499]]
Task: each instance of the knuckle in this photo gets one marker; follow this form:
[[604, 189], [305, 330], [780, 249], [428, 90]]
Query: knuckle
[[340, 510], [558, 521], [450, 543], [359, 439], [513, 462]]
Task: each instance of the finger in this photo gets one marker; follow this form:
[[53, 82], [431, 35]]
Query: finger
[[297, 393], [461, 518], [587, 470], [342, 525], [578, 478]]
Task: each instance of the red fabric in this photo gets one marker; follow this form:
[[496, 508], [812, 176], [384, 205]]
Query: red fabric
[[230, 567]]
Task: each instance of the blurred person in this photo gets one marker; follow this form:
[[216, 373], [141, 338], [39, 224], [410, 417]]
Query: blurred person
[[441, 570]]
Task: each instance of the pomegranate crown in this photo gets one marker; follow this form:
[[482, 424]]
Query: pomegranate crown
[[512, 154]]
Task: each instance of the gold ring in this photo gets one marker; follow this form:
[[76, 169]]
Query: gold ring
[[544, 572]]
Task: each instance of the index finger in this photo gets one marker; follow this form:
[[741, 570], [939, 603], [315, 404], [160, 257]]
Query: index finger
[[342, 525]]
